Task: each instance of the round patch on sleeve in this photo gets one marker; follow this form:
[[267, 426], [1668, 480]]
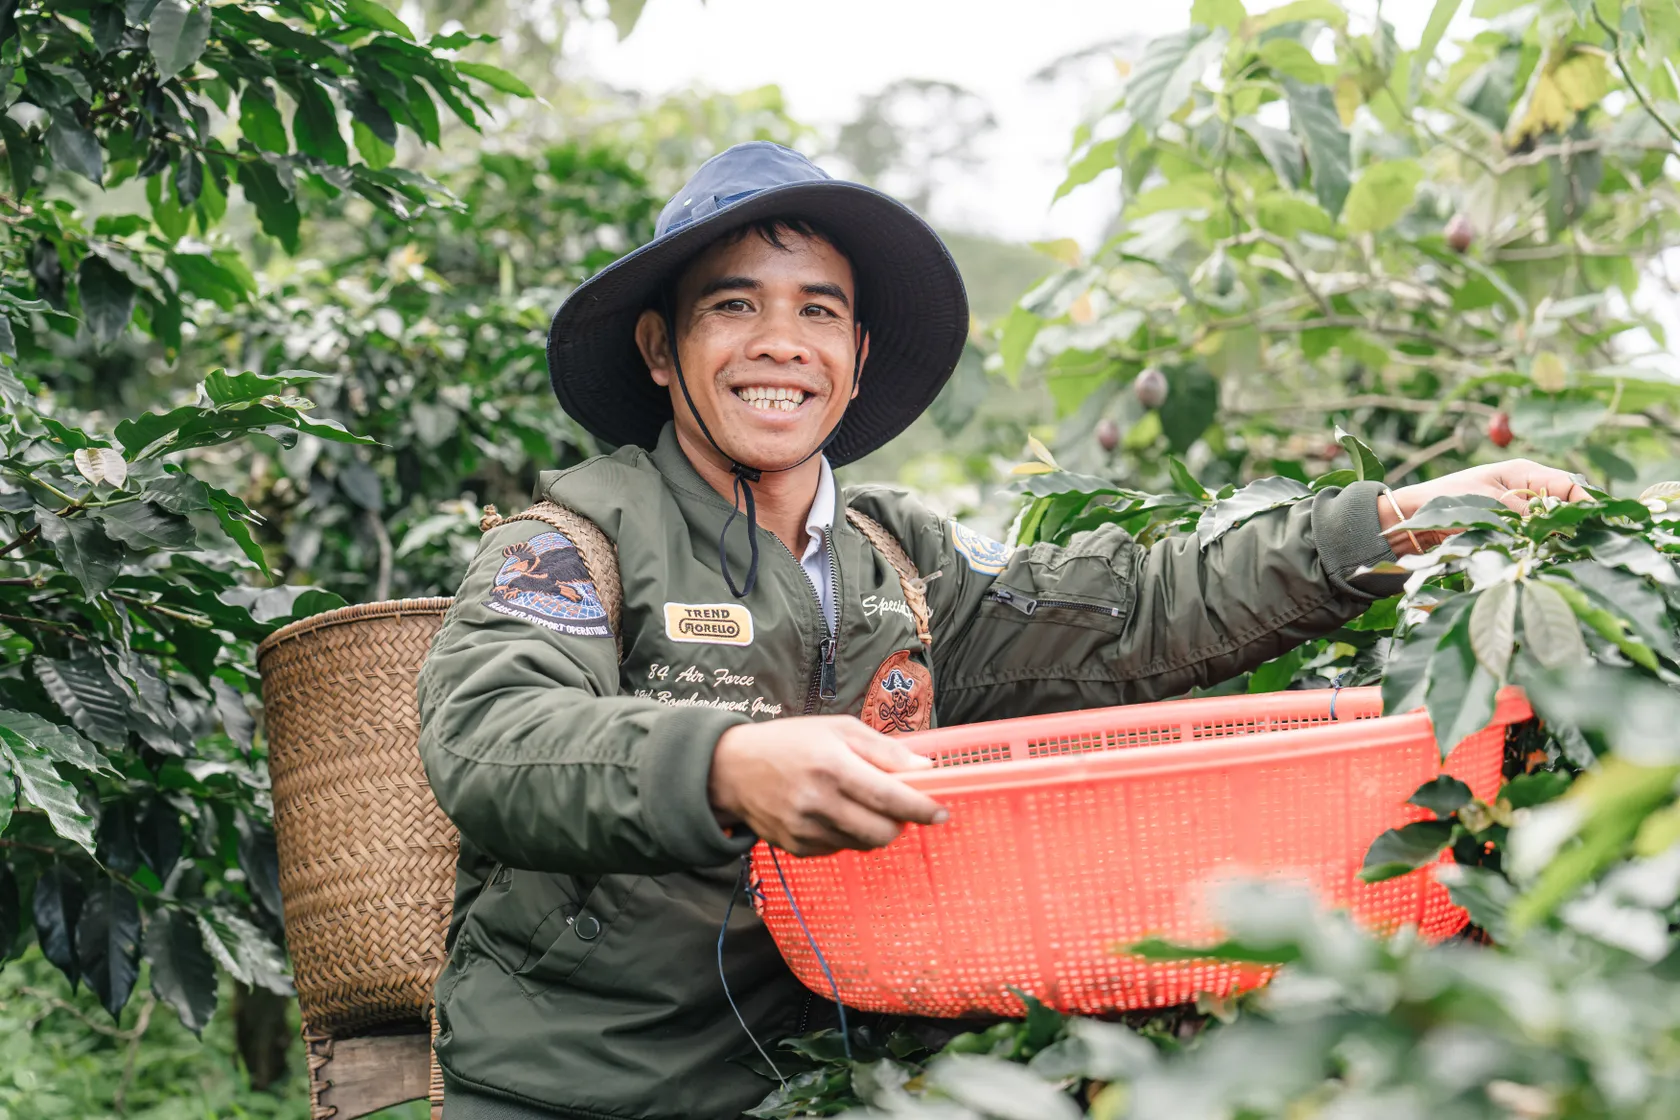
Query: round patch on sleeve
[[900, 698], [545, 581], [983, 554]]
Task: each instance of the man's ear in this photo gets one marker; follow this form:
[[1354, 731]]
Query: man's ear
[[863, 359], [654, 343]]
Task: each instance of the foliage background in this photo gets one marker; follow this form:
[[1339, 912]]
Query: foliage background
[[375, 220]]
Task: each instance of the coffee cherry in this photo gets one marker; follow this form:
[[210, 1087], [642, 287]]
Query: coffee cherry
[[1499, 429], [1150, 388], [1108, 434], [1459, 233], [1470, 436]]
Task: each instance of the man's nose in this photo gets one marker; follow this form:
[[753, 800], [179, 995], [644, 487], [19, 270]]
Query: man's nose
[[781, 339]]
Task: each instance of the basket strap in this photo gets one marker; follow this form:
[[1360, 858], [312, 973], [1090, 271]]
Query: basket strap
[[318, 1052], [599, 553], [434, 1090], [915, 587]]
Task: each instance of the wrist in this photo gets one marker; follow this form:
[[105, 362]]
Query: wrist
[[1392, 509], [720, 790]]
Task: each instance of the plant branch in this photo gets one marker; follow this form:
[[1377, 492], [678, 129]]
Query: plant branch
[[1421, 456], [1370, 400], [1627, 75], [195, 618], [22, 540], [136, 1033], [63, 628], [382, 538]]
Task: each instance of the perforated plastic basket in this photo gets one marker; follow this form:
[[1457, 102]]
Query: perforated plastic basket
[[1072, 835]]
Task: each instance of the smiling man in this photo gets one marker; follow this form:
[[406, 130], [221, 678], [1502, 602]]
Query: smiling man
[[774, 635]]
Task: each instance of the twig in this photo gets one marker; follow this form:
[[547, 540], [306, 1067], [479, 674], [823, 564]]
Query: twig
[[382, 581], [193, 617], [47, 624], [1627, 75], [1421, 456], [24, 581], [1282, 247], [55, 1004], [144, 1020], [21, 540], [1370, 400]]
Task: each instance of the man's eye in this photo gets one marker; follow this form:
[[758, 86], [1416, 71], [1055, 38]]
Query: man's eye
[[818, 310], [734, 305]]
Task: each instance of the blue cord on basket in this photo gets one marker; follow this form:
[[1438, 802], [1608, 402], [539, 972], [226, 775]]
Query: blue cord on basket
[[845, 1035], [1336, 689], [740, 884]]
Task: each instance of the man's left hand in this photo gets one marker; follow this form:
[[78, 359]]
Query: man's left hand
[[1515, 482]]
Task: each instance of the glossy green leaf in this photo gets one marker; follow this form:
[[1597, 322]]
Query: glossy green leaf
[[277, 210], [1366, 465], [43, 788], [370, 13], [108, 298], [57, 907], [260, 121], [315, 125], [74, 148], [108, 943], [1255, 498], [143, 526], [1460, 694], [1402, 850], [180, 31], [1313, 117], [495, 77], [1443, 795], [83, 549], [1281, 150], [1550, 633], [1493, 628], [183, 972], [54, 740], [1163, 75]]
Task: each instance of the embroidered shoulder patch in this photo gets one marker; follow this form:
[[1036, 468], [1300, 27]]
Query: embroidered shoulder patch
[[544, 580], [984, 555], [900, 698]]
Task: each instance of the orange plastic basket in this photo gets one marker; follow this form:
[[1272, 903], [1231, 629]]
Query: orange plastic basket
[[1073, 835]]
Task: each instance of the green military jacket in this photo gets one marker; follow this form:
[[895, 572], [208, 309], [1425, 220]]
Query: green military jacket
[[582, 978]]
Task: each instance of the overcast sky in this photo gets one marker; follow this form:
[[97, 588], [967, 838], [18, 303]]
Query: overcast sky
[[827, 56]]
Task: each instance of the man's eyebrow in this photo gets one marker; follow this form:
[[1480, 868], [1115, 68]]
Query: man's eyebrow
[[728, 284], [832, 291]]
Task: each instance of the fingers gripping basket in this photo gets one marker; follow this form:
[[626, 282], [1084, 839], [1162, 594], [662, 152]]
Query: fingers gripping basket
[[367, 859], [1071, 836]]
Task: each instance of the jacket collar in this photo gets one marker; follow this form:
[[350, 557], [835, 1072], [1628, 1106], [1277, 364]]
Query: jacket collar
[[673, 464]]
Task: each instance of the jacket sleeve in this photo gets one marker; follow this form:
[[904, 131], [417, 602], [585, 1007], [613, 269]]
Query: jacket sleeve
[[541, 761], [1105, 620]]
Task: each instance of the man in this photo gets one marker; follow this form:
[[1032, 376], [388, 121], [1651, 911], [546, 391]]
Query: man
[[780, 323]]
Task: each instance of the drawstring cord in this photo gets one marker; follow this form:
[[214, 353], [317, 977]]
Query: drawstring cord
[[822, 962], [745, 476]]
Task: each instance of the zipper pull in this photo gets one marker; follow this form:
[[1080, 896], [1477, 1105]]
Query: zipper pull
[[1009, 598], [827, 688]]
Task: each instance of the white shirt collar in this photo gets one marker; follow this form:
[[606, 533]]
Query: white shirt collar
[[820, 521]]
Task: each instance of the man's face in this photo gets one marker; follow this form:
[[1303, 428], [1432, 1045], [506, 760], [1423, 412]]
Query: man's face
[[767, 342]]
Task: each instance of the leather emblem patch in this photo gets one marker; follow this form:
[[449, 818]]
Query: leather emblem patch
[[900, 698], [718, 624], [544, 580]]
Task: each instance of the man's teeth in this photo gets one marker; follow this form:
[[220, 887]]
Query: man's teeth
[[780, 400]]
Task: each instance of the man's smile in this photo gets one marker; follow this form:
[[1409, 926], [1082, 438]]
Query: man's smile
[[765, 398]]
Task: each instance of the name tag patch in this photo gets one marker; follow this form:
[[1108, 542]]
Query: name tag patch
[[544, 580], [718, 624]]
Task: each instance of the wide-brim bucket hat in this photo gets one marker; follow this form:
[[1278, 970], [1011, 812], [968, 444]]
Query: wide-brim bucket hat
[[910, 298]]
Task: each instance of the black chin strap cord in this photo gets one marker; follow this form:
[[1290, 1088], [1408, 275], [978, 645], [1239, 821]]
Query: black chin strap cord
[[745, 476]]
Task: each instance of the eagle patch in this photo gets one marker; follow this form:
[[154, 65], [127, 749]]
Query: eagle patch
[[982, 553], [545, 581]]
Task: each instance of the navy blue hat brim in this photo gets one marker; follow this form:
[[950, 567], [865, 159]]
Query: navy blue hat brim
[[910, 299]]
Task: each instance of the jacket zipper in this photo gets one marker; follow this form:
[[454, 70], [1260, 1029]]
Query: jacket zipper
[[1029, 606], [824, 678]]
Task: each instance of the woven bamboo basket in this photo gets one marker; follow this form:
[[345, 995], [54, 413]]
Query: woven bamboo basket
[[367, 859]]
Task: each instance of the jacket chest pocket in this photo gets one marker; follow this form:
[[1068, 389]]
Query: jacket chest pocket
[[568, 934]]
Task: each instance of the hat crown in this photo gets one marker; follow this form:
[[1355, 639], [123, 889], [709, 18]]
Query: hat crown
[[732, 175]]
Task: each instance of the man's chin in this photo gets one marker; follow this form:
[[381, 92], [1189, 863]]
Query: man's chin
[[773, 451]]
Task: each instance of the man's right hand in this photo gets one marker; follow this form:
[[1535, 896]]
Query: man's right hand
[[812, 785]]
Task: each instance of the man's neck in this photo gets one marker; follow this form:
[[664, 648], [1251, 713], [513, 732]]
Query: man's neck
[[783, 498]]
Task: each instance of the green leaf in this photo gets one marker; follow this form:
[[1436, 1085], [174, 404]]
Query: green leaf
[[158, 834], [1156, 949], [1302, 11], [1440, 18], [1443, 795], [277, 210], [183, 972], [1366, 465], [244, 950], [1486, 894], [1460, 694], [1313, 117], [1099, 157], [368, 13], [624, 14], [1550, 633], [1168, 69], [57, 906], [179, 34], [83, 549], [1190, 407], [374, 151], [107, 298], [86, 692], [1185, 481], [1255, 498], [1228, 14], [1402, 850], [260, 121], [1557, 422], [1019, 330], [495, 77], [1290, 59], [1275, 675], [1493, 628], [11, 909], [222, 387], [45, 789], [21, 155], [1382, 193], [1528, 790], [1455, 511], [315, 125], [260, 861], [1282, 151], [74, 148], [142, 525], [60, 743], [1406, 673], [1629, 601], [108, 943]]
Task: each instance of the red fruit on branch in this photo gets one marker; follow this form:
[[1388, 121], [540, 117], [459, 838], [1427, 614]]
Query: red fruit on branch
[[1108, 434], [1150, 388], [1459, 233], [1499, 429]]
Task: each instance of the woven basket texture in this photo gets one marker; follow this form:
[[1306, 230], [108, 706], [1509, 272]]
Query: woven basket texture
[[367, 859]]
